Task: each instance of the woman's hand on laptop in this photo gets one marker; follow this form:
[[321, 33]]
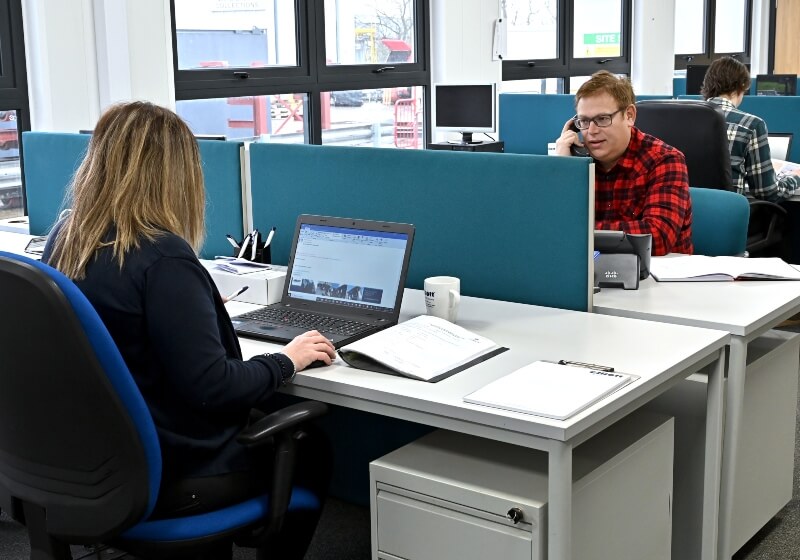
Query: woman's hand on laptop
[[308, 348]]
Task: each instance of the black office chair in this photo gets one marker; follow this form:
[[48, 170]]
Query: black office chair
[[698, 129], [80, 461]]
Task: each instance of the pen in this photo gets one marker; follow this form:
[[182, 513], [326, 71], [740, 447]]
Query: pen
[[237, 293], [255, 242], [269, 237], [232, 241], [245, 242]]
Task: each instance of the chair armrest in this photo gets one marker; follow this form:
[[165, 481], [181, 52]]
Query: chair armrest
[[281, 420], [773, 206]]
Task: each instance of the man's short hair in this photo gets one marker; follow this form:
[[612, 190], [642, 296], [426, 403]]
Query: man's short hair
[[725, 76], [603, 81]]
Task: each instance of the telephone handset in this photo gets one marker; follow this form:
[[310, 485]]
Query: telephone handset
[[576, 150]]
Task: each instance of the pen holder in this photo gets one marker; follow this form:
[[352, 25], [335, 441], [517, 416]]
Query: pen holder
[[262, 255]]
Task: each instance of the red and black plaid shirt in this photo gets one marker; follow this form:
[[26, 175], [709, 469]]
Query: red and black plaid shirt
[[647, 191]]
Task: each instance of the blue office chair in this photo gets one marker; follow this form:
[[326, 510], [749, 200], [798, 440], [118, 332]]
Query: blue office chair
[[719, 222], [80, 461]]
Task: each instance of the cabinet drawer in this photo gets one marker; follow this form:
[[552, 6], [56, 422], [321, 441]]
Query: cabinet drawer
[[418, 530]]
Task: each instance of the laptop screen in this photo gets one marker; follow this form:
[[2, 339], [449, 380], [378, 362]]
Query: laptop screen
[[779, 144], [347, 266]]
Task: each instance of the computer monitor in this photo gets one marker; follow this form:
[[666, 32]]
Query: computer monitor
[[776, 84], [465, 108], [694, 78], [780, 144]]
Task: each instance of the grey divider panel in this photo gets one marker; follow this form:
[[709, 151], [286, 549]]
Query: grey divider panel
[[222, 172], [512, 227], [528, 121], [50, 160]]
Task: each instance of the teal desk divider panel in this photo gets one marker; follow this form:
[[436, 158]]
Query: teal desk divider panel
[[50, 161], [222, 171], [678, 86], [781, 113], [649, 96], [529, 121], [512, 227]]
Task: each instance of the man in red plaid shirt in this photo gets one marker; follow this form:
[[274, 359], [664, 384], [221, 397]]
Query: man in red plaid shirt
[[641, 183]]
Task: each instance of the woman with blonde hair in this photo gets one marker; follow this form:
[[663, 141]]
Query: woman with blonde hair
[[130, 244]]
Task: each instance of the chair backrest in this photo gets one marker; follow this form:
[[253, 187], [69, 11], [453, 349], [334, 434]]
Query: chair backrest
[[720, 219], [696, 128], [76, 437]]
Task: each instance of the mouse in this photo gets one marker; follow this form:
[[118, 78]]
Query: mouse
[[315, 364]]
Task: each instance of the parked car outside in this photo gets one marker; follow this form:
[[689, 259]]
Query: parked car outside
[[348, 98]]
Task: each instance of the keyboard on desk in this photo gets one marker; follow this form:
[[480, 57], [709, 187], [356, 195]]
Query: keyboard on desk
[[305, 320]]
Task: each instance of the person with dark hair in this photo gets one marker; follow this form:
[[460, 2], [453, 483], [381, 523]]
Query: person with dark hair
[[724, 86], [641, 183], [130, 244]]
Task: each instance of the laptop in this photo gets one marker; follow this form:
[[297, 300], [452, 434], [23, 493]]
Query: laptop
[[780, 144], [345, 279]]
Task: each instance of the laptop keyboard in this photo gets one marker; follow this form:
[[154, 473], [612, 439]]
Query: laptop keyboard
[[304, 320]]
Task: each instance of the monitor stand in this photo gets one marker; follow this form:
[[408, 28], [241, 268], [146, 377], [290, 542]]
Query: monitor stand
[[466, 138]]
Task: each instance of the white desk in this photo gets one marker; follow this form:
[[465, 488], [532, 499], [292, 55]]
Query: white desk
[[661, 354], [747, 310], [15, 243]]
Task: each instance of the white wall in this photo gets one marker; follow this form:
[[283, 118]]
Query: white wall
[[653, 47], [86, 54]]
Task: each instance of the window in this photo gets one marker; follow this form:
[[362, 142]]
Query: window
[[707, 29], [565, 38], [14, 112], [314, 71]]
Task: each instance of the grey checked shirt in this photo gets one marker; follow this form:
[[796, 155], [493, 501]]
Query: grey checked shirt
[[753, 173]]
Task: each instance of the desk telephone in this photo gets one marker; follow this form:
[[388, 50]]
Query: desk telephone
[[581, 151]]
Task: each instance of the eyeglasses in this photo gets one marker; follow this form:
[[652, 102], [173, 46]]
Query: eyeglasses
[[600, 120]]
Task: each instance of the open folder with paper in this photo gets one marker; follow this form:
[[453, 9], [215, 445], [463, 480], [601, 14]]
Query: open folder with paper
[[701, 268], [549, 389], [425, 348]]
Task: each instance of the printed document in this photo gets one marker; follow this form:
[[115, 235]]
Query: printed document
[[549, 389], [425, 348]]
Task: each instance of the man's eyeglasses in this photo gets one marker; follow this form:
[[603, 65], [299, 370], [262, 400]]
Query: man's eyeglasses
[[600, 120]]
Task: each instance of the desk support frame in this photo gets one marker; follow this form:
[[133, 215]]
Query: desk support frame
[[559, 546]]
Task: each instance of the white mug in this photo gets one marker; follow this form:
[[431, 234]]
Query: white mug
[[442, 295]]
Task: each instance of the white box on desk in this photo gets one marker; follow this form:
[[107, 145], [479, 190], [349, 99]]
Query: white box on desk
[[263, 286]]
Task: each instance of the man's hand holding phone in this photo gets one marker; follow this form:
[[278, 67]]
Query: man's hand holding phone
[[570, 142]]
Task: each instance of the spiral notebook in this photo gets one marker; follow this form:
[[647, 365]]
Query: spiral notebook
[[549, 389]]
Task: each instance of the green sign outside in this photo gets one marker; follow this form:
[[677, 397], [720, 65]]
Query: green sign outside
[[601, 38]]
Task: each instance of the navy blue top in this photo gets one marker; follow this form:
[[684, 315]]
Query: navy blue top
[[170, 324]]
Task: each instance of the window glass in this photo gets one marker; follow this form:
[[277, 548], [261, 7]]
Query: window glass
[[597, 28], [369, 31], [729, 29], [380, 118], [10, 177], [235, 33], [543, 85], [532, 29], [262, 118], [690, 22]]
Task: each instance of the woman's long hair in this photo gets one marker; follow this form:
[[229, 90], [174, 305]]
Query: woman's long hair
[[141, 176]]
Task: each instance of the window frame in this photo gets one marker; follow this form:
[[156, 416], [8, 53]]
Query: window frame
[[13, 75], [709, 30], [567, 65], [312, 75]]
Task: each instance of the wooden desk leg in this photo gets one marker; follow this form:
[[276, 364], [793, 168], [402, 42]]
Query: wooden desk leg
[[715, 408], [734, 403], [559, 502]]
